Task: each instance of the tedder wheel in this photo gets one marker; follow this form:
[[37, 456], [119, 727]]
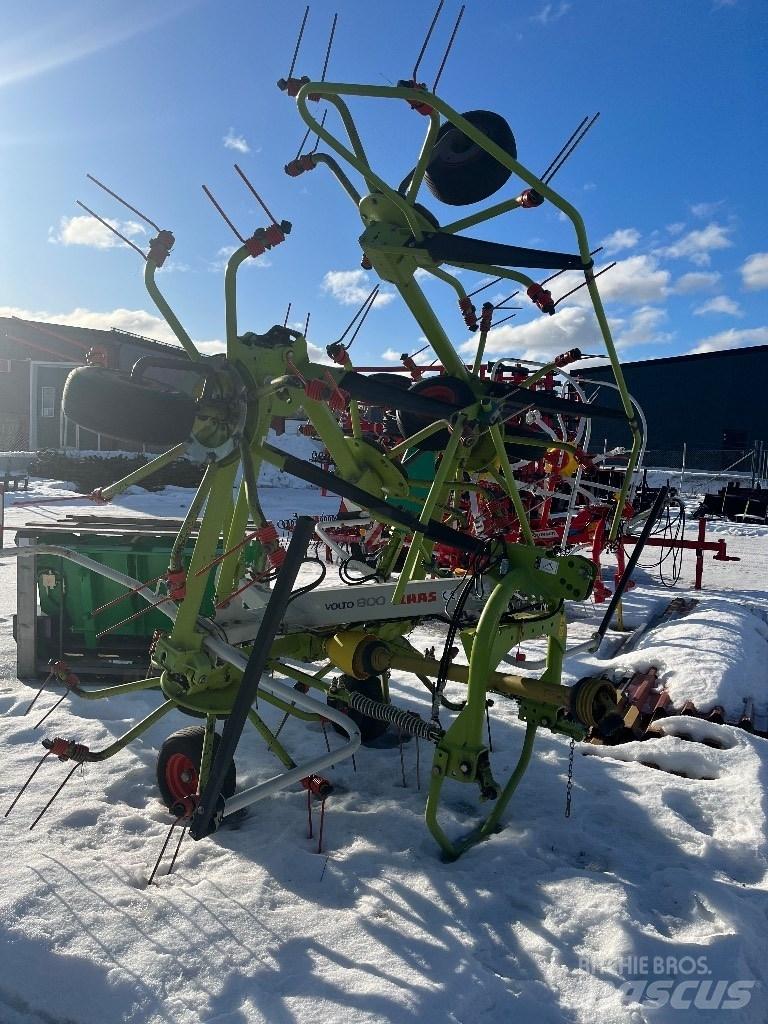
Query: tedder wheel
[[450, 390], [179, 761], [460, 172], [395, 380], [109, 402], [370, 728]]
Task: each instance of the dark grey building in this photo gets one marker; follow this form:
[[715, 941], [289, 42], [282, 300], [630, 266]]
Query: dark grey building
[[713, 402]]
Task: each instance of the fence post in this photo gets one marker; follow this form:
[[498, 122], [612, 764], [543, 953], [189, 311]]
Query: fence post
[[757, 464], [700, 554], [682, 467]]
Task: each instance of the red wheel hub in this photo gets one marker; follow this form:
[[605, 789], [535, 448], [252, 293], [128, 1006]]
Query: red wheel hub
[[181, 776], [440, 392]]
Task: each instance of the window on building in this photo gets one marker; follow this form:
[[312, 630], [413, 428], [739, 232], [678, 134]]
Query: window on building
[[48, 402]]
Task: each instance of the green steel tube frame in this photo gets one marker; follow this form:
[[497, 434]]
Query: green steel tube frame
[[332, 91], [461, 750]]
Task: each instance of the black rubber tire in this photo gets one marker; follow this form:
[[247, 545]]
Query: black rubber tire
[[446, 389], [394, 380], [459, 172], [109, 402], [427, 215], [372, 687], [187, 743]]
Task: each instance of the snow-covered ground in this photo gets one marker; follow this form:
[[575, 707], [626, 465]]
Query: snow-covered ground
[[655, 878]]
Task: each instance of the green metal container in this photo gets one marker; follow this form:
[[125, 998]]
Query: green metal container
[[68, 594]]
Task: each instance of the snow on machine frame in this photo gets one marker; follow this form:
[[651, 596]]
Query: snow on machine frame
[[225, 665]]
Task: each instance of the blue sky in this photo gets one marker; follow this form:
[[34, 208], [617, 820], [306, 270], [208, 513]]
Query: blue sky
[[155, 99]]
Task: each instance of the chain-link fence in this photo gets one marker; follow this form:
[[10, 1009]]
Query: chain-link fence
[[692, 466]]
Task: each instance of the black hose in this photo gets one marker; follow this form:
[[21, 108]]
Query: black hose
[[669, 530], [314, 584], [621, 586]]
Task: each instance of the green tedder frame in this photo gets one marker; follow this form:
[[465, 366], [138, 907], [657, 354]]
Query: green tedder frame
[[223, 665]]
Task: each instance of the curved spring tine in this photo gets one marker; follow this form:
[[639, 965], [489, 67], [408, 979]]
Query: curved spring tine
[[34, 773], [69, 775]]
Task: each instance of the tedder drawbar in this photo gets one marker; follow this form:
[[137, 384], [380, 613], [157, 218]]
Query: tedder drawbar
[[240, 651]]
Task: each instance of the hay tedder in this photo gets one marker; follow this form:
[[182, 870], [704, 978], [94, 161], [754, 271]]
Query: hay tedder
[[241, 633]]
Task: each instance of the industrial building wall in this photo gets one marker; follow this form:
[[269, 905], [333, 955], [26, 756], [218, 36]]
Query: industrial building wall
[[716, 401]]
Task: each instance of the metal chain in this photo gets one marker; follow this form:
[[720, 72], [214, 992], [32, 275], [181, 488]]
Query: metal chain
[[569, 783], [489, 704]]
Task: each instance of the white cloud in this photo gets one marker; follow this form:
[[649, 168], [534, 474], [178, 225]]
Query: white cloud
[[502, 297], [219, 262], [696, 281], [137, 321], [352, 288], [676, 228], [86, 230], [545, 337], [573, 327], [697, 245], [425, 352], [316, 353], [642, 328], [706, 209], [551, 12], [236, 142], [624, 238], [719, 304], [754, 271], [732, 339], [636, 279]]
